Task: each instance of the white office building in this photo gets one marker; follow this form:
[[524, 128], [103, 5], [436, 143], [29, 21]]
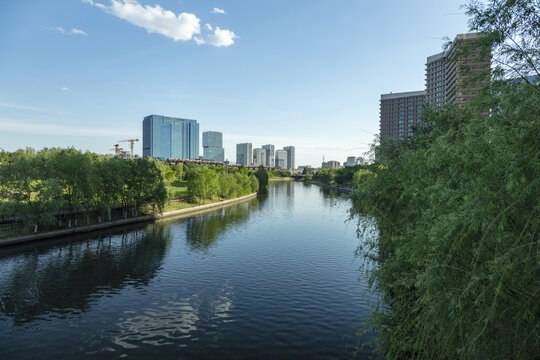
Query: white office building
[[259, 157], [281, 159]]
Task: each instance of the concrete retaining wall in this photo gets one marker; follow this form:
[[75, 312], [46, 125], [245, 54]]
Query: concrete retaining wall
[[170, 215]]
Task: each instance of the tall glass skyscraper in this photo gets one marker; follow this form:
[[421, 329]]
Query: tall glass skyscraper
[[213, 146], [244, 154], [170, 138]]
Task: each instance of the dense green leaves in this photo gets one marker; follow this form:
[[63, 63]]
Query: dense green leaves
[[209, 182], [262, 176], [457, 210], [39, 188]]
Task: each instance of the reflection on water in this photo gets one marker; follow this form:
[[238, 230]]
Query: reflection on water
[[34, 284], [202, 231], [174, 318], [269, 278]]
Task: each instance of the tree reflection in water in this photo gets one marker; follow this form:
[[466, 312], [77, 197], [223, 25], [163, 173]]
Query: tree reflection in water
[[203, 231], [65, 279]]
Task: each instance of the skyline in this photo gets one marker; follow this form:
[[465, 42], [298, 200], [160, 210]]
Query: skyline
[[308, 73]]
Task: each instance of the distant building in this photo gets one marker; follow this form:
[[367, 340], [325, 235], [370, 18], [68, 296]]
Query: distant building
[[331, 164], [270, 154], [259, 157], [290, 156], [213, 146], [170, 138], [353, 161], [281, 159], [399, 112], [244, 154]]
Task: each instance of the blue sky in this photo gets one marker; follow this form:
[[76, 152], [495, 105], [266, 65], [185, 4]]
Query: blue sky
[[308, 73]]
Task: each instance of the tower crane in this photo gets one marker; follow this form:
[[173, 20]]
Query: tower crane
[[117, 149], [131, 141]]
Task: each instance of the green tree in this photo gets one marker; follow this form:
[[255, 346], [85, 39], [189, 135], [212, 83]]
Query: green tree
[[179, 171], [262, 176], [202, 183], [326, 175], [457, 212]]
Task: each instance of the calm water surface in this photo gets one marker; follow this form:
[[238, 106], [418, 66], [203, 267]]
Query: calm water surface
[[271, 278]]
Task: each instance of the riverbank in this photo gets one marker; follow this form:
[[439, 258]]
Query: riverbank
[[280, 179], [169, 215], [331, 187]]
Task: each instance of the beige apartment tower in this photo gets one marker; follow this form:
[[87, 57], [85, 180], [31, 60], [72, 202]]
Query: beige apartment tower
[[458, 74]]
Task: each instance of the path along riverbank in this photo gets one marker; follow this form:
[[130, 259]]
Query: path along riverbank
[[170, 215]]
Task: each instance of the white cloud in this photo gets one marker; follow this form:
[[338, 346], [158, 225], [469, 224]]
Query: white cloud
[[73, 31], [198, 40], [155, 19], [218, 11], [78, 32], [221, 37], [65, 88]]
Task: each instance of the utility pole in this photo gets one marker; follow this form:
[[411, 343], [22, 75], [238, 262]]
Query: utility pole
[[131, 141]]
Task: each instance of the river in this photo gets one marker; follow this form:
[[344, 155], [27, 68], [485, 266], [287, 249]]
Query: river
[[271, 278]]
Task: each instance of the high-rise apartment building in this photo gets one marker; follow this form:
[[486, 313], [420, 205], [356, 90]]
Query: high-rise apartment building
[[435, 79], [170, 138], [399, 112], [259, 157], [281, 159], [452, 77], [270, 154], [457, 75], [290, 156], [213, 146], [244, 154]]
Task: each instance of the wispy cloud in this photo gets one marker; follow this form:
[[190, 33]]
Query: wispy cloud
[[73, 31], [65, 88], [155, 19], [21, 107], [218, 11], [22, 127]]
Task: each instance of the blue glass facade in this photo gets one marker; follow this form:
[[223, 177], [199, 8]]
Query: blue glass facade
[[170, 138], [213, 146]]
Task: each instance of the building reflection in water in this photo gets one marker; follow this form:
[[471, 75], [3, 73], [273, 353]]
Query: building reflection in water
[[65, 279]]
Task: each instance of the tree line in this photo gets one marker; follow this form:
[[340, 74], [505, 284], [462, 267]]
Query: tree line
[[52, 186], [55, 188], [457, 213], [206, 182]]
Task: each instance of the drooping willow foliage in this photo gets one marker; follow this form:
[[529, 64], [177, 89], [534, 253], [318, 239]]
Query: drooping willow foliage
[[457, 210]]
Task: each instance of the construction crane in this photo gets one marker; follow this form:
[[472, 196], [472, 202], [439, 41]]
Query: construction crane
[[132, 141], [116, 149]]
